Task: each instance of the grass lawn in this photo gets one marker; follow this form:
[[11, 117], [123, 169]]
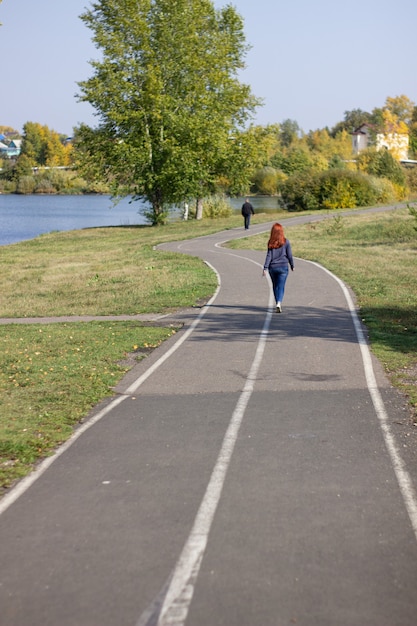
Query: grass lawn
[[51, 375]]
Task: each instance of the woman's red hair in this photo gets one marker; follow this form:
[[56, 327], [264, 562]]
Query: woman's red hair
[[276, 238]]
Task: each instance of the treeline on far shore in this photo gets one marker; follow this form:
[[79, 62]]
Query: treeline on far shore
[[318, 170], [52, 181]]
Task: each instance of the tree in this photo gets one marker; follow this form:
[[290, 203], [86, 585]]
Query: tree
[[289, 132], [43, 146], [296, 159], [352, 120], [401, 107], [322, 142], [413, 133], [9, 132], [248, 151], [266, 180], [167, 96]]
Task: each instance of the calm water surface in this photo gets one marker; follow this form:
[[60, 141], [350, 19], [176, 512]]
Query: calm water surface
[[25, 217]]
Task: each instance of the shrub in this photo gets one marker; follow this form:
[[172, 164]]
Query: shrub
[[382, 164], [337, 196], [401, 191], [300, 192], [7, 186], [26, 185], [44, 185], [94, 186], [216, 206], [78, 185], [411, 178], [413, 212], [60, 180], [336, 163], [343, 189], [333, 189], [384, 189]]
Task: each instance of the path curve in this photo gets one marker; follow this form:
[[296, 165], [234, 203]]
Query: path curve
[[241, 478]]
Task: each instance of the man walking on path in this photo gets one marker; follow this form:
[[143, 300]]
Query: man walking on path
[[247, 211]]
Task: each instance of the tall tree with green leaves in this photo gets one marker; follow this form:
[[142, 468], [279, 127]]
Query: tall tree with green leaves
[[289, 132], [167, 96]]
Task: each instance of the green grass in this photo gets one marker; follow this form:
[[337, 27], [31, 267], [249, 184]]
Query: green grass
[[375, 255], [106, 271], [51, 375]]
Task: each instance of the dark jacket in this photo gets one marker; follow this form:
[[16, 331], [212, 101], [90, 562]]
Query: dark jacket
[[279, 257], [247, 209]]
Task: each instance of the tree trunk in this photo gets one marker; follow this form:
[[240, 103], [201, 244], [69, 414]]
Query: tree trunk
[[199, 209]]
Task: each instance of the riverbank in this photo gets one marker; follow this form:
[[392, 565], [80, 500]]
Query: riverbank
[[24, 217]]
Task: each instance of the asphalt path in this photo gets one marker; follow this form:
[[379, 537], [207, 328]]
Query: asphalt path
[[251, 471]]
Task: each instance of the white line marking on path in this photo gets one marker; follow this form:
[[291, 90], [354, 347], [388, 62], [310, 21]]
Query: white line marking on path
[[171, 606], [27, 482], [403, 477], [177, 600]]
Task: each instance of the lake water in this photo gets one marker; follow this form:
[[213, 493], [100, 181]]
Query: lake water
[[25, 217]]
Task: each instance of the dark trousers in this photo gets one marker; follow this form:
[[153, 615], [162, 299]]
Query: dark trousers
[[247, 221]]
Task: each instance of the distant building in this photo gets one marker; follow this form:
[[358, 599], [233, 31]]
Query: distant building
[[361, 138], [12, 149], [365, 136], [15, 147]]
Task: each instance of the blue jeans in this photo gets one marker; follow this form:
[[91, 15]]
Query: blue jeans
[[279, 277], [247, 221]]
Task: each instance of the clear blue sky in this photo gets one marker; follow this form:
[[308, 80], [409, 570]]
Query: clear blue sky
[[311, 60]]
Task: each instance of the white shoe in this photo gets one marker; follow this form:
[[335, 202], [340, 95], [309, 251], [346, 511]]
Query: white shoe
[[279, 310]]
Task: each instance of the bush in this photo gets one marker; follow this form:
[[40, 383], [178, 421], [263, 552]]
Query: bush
[[337, 194], [78, 186], [384, 189], [60, 180], [216, 206], [7, 186], [26, 185], [411, 178], [300, 192], [333, 189], [337, 163], [382, 164], [44, 185]]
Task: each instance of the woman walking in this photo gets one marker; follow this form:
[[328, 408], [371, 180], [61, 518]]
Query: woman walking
[[278, 257]]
